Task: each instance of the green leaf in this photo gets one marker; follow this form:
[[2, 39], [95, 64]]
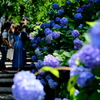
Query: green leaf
[[72, 90], [95, 96], [55, 72], [92, 23], [72, 82], [87, 37], [96, 71], [66, 54]]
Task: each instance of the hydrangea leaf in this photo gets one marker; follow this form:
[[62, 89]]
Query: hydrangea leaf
[[95, 96], [55, 72], [91, 23], [72, 90], [96, 71], [72, 82], [87, 37], [66, 54]]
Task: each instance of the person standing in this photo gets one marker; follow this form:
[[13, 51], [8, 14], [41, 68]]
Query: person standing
[[19, 56], [4, 46]]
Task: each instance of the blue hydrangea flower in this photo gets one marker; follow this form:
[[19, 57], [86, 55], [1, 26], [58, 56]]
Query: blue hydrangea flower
[[85, 76], [75, 33], [26, 86], [77, 43], [94, 33], [65, 27], [47, 25], [51, 12], [51, 61], [39, 64], [89, 56], [56, 26], [96, 1], [34, 58], [60, 12], [55, 6], [49, 38], [79, 10], [57, 99], [31, 36], [38, 39], [78, 16], [44, 48], [65, 99], [38, 52], [52, 21], [90, 1], [43, 82], [52, 83], [48, 77], [69, 2], [80, 26], [34, 45], [57, 19], [47, 31], [55, 35], [42, 26], [64, 21]]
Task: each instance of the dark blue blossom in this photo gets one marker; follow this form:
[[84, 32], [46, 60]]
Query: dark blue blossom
[[75, 33], [78, 16], [64, 21], [52, 83], [47, 31], [51, 12], [47, 25], [39, 64], [60, 12], [79, 10], [34, 58], [55, 35], [43, 82], [65, 27], [77, 43], [90, 1], [49, 38], [80, 26], [89, 56], [84, 6], [42, 26], [51, 61], [57, 19], [55, 6], [38, 39], [26, 86], [56, 26], [94, 33], [96, 1], [44, 48], [69, 2], [34, 45], [48, 77]]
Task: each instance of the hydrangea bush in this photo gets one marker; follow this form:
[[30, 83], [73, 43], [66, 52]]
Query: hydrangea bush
[[61, 41]]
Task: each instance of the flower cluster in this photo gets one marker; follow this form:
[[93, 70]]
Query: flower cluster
[[51, 61], [26, 86]]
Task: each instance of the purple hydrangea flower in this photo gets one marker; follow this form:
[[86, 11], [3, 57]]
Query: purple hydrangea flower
[[26, 86], [47, 31], [55, 35], [75, 33], [77, 43], [84, 6], [55, 6], [57, 19], [65, 99], [89, 56], [60, 12], [94, 33], [64, 21], [34, 58], [79, 10], [49, 38], [52, 83], [51, 61], [80, 26], [78, 16], [85, 76], [39, 64]]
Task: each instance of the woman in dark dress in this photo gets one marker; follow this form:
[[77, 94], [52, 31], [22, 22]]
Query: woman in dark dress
[[19, 56]]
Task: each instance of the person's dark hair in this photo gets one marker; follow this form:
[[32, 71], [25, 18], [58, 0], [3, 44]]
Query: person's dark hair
[[7, 25], [18, 28]]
